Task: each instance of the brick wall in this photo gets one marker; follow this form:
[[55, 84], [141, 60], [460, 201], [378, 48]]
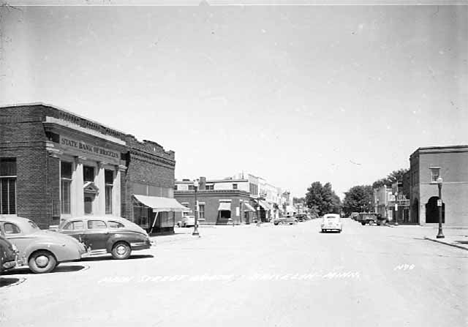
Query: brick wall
[[211, 200], [22, 137]]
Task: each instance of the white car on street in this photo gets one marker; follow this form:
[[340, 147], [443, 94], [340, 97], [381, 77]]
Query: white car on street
[[331, 222], [187, 221]]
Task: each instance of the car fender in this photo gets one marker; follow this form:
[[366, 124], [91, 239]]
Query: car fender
[[124, 237], [58, 250]]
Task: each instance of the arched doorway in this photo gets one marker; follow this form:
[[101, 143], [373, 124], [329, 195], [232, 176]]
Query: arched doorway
[[432, 211]]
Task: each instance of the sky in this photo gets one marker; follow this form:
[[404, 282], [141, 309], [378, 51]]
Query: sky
[[292, 93]]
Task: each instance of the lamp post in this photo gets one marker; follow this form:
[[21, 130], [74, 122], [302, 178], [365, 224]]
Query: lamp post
[[439, 204], [195, 228], [396, 208]]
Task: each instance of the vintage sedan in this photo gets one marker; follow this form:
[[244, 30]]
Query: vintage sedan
[[7, 254], [186, 221], [41, 250], [107, 234], [331, 222], [290, 220]]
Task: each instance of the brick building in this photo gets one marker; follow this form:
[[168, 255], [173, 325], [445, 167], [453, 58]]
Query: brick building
[[426, 165], [222, 202], [55, 164]]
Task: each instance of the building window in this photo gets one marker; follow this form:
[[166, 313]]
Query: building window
[[65, 186], [191, 188], [201, 211], [234, 186], [209, 187], [88, 174], [140, 216], [8, 186], [175, 187], [435, 173], [109, 181]]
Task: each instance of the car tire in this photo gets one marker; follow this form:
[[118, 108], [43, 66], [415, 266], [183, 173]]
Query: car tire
[[41, 262], [121, 251], [363, 223]]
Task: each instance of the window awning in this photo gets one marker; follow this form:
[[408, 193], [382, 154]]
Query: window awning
[[264, 205], [224, 206], [161, 204], [248, 207]]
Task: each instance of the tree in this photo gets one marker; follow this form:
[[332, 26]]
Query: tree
[[394, 176], [358, 198], [322, 199], [298, 200]]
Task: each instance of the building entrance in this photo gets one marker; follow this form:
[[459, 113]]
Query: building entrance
[[432, 211]]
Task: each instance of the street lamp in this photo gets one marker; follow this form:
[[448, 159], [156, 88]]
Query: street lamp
[[439, 204], [195, 228], [396, 208]]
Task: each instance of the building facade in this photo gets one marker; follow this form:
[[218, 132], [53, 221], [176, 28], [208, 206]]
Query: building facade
[[426, 166], [55, 164], [391, 203], [241, 199]]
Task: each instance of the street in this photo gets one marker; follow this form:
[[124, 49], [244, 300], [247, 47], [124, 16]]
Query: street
[[254, 276]]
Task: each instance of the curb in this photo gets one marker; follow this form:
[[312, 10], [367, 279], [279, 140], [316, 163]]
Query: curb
[[446, 243]]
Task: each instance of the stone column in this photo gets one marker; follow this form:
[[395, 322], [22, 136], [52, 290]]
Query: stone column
[[77, 193], [116, 191], [101, 185]]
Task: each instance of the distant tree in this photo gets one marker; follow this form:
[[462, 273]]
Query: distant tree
[[298, 200], [358, 199], [322, 199], [394, 176]]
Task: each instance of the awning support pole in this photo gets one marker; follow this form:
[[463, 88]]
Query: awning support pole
[[154, 221]]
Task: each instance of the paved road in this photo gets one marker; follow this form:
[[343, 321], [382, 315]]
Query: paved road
[[254, 276]]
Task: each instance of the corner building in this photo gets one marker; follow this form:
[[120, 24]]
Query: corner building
[[55, 164]]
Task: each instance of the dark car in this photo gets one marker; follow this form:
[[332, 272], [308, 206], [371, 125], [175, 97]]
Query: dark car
[[101, 235], [285, 220], [367, 218], [301, 217], [8, 254]]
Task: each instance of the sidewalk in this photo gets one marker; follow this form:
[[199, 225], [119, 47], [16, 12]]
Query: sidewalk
[[459, 241], [456, 236]]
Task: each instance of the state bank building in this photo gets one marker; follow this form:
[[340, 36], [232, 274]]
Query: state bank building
[[55, 164]]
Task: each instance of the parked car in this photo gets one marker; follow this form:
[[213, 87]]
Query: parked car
[[102, 235], [301, 217], [8, 253], [331, 222], [354, 215], [186, 221], [41, 250], [285, 220], [367, 218]]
